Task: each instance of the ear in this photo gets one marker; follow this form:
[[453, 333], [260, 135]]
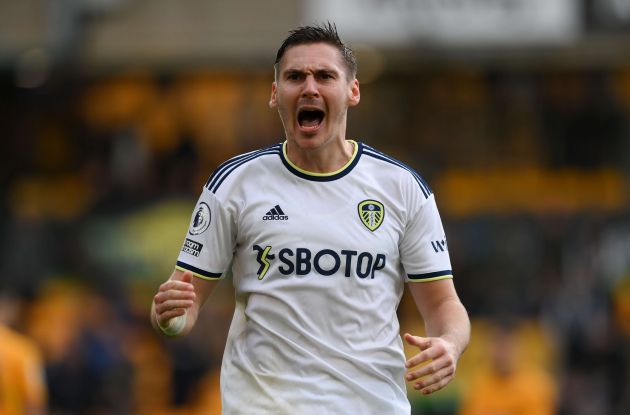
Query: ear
[[355, 93], [273, 101]]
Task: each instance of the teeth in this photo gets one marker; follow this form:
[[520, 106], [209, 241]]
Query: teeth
[[310, 118]]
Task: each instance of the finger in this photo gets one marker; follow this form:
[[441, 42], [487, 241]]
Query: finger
[[434, 352], [173, 304], [436, 382], [419, 359], [418, 341], [176, 285], [163, 318], [164, 296], [431, 368], [187, 277]]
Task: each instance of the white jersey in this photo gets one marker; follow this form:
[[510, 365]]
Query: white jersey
[[319, 264]]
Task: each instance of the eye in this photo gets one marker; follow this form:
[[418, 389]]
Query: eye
[[293, 76]]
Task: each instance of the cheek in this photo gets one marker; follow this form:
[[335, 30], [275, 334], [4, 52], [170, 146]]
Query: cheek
[[284, 113], [283, 100], [339, 106]]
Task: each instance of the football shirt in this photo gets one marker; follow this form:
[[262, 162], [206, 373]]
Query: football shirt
[[319, 264]]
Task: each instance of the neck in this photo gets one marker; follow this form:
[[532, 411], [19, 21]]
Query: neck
[[324, 159]]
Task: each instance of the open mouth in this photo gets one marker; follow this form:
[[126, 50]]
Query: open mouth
[[310, 119]]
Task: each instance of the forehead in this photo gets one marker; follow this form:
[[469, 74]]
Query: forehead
[[312, 56]]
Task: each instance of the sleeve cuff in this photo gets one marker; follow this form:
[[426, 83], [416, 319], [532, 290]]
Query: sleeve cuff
[[198, 272], [430, 276]]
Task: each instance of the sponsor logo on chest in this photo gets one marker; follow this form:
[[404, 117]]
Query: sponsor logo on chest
[[326, 262]]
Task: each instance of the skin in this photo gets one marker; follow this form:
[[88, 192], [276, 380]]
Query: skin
[[448, 333], [181, 294], [314, 76]]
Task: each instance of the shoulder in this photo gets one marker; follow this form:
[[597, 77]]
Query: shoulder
[[240, 165], [388, 165]]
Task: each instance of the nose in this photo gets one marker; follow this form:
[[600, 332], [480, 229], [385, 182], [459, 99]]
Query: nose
[[310, 87]]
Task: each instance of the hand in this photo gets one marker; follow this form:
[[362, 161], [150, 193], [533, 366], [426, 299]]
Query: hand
[[174, 298], [435, 374]]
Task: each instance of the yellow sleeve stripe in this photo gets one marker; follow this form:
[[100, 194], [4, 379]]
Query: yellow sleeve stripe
[[431, 276], [443, 277], [199, 273]]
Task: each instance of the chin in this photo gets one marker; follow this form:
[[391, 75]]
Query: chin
[[310, 141]]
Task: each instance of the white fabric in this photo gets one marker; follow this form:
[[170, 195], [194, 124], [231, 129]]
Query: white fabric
[[315, 328]]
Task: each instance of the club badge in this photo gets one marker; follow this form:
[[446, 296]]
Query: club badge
[[371, 214]]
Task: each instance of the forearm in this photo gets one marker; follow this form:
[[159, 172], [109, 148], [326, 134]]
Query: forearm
[[449, 320], [443, 313], [447, 335]]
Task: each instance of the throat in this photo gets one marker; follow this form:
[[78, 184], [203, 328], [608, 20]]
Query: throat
[[327, 159]]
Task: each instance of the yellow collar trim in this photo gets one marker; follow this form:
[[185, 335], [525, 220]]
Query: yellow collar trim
[[310, 173]]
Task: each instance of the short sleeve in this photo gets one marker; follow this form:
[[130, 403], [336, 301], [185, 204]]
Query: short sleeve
[[423, 249], [208, 247]]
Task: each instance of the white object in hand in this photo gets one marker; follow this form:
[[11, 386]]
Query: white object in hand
[[175, 325]]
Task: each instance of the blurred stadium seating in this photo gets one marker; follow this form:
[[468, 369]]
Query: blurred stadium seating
[[114, 117]]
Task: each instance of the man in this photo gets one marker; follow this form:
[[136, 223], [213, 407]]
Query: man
[[321, 234]]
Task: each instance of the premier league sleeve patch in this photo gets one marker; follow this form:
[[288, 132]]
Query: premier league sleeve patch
[[201, 220]]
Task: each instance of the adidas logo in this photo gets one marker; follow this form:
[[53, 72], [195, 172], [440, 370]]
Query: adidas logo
[[275, 213]]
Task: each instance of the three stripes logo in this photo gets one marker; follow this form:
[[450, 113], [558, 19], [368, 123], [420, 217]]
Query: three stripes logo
[[439, 246], [275, 213]]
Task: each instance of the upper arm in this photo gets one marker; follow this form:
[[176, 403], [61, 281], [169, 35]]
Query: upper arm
[[429, 296], [423, 249], [209, 244]]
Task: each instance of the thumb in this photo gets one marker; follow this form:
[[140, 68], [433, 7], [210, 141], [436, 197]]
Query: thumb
[[418, 341], [187, 277]]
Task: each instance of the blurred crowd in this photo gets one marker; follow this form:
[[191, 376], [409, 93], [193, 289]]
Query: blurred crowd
[[98, 178]]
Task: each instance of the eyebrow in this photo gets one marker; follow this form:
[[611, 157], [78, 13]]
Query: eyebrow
[[322, 71]]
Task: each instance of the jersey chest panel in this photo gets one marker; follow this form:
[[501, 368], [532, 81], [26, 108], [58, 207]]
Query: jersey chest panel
[[294, 228]]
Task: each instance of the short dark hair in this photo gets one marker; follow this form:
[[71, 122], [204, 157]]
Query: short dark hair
[[325, 33]]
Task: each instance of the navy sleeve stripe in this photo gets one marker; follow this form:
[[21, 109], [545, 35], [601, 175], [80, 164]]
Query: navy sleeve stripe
[[429, 275], [426, 190], [195, 270], [227, 164], [217, 182], [228, 167], [382, 156]]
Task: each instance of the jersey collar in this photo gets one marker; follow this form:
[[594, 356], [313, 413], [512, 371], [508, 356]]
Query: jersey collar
[[323, 177]]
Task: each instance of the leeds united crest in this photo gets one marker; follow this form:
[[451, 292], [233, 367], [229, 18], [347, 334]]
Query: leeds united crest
[[371, 214]]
